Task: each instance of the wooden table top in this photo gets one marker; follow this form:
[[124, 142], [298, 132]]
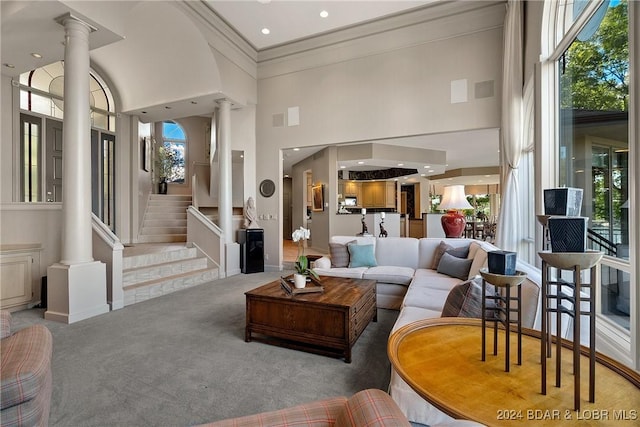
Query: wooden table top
[[339, 291], [441, 360]]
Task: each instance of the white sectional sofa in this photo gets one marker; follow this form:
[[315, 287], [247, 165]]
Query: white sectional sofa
[[407, 282]]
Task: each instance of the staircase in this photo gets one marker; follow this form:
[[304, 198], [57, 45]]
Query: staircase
[[151, 275], [165, 219]]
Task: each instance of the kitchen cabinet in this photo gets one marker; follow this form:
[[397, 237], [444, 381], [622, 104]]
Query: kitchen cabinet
[[373, 194], [381, 194], [390, 194], [350, 189]]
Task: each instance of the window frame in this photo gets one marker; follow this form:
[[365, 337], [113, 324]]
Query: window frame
[[621, 344]]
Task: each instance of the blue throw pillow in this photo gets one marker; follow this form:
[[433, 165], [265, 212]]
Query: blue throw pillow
[[361, 256]]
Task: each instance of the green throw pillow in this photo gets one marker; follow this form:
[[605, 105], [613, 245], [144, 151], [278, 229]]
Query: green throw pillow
[[361, 256]]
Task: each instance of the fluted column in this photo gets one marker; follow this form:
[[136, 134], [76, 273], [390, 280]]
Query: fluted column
[[225, 208], [76, 136]]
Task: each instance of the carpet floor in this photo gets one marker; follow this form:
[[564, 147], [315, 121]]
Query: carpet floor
[[181, 359]]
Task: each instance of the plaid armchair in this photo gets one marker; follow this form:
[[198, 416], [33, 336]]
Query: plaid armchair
[[25, 371], [367, 408]]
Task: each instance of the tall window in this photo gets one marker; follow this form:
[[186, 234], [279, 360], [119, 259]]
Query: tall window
[[594, 147], [41, 147], [174, 143], [30, 149]]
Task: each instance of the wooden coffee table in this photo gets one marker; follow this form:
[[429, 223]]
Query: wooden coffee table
[[327, 323]]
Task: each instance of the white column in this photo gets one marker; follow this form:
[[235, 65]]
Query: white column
[[76, 136], [225, 208], [77, 286]]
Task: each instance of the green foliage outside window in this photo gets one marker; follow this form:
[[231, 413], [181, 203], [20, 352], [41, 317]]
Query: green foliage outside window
[[595, 72]]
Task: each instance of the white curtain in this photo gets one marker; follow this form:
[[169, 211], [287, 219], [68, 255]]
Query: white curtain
[[511, 140]]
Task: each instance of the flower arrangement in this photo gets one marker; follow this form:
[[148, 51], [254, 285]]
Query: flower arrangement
[[302, 263]]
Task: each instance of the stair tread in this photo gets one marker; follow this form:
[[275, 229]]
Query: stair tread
[[157, 265], [166, 278]]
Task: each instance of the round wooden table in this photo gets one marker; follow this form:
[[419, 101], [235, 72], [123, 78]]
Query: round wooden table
[[441, 360]]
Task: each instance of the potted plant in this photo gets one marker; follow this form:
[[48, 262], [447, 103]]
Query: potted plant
[[302, 263], [165, 165]]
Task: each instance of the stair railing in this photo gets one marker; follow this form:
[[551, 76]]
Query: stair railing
[[207, 237], [602, 243], [107, 248]]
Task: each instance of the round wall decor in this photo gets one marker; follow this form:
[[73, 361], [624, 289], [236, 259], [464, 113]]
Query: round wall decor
[[267, 188]]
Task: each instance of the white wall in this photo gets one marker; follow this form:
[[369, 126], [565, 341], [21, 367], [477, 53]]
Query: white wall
[[387, 93], [34, 223]]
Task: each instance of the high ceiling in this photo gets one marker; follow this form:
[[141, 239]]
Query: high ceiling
[[294, 20], [288, 21]]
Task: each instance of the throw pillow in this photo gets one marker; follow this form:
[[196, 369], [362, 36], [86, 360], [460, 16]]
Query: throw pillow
[[461, 252], [465, 300], [361, 256], [442, 248], [454, 267], [339, 255]]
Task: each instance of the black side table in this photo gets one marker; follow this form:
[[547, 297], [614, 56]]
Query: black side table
[[502, 310]]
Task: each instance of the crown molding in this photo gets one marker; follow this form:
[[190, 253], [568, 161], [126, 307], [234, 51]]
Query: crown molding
[[425, 25], [221, 36], [424, 14]]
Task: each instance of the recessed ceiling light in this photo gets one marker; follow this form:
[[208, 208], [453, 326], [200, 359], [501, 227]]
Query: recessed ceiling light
[[296, 149], [487, 176], [361, 163], [9, 65], [36, 55], [423, 174], [427, 166], [343, 167], [430, 170], [265, 31], [242, 156], [324, 14], [400, 164]]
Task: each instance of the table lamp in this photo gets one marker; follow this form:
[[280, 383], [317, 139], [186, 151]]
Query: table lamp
[[454, 199]]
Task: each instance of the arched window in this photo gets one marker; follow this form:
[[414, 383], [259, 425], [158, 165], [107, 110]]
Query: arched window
[[174, 146], [42, 90], [41, 125]]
